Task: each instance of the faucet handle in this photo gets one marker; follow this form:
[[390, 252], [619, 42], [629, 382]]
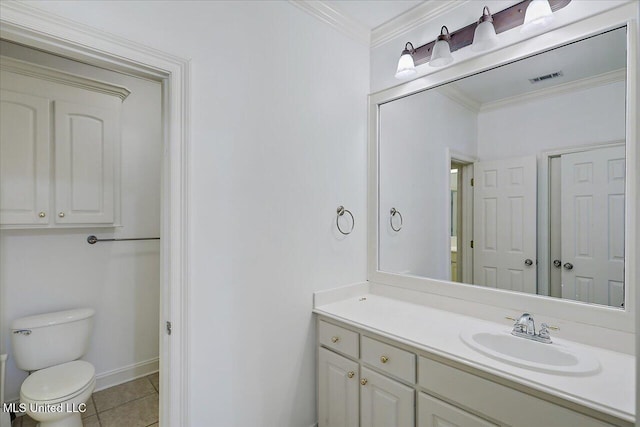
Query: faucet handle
[[544, 331]]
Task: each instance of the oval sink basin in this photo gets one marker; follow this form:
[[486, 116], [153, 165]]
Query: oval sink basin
[[551, 358]]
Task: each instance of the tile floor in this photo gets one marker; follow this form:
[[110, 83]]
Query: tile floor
[[132, 404]]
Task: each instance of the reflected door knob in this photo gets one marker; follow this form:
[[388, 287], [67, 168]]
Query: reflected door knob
[[568, 266], [528, 262]]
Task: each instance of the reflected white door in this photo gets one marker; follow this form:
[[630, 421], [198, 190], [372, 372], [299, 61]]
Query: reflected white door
[[593, 225], [504, 228]]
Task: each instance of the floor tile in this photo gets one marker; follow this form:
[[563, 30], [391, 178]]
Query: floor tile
[[155, 380], [27, 421], [91, 421], [91, 409], [138, 413], [116, 396]]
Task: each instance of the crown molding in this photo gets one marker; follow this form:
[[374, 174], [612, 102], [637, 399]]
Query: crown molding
[[46, 73], [576, 85], [411, 19], [454, 93], [336, 19]]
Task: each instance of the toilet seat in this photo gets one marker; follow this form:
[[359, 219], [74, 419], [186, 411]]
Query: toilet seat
[[58, 383]]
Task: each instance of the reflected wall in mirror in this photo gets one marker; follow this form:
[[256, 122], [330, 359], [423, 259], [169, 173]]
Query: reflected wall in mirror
[[513, 178]]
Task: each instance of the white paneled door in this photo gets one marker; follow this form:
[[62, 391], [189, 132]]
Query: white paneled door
[[504, 229], [592, 219]]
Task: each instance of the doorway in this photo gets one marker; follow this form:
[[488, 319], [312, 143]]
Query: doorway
[[49, 33]]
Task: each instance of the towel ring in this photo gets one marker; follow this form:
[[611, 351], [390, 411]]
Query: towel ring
[[393, 213], [341, 210]]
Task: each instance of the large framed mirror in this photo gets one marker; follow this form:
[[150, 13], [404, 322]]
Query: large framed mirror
[[514, 178]]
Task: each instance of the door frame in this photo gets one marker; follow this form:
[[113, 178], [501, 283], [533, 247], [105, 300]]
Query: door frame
[[544, 203], [32, 27]]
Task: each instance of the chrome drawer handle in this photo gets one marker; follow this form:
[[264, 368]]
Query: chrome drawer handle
[[23, 331], [364, 381], [351, 374], [335, 339], [384, 359]]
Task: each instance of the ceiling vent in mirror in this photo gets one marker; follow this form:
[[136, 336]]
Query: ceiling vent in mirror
[[546, 77]]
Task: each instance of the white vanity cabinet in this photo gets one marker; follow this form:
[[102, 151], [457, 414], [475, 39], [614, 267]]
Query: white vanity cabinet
[[369, 381], [59, 148], [351, 392]]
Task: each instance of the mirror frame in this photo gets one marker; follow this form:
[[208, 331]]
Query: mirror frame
[[573, 311]]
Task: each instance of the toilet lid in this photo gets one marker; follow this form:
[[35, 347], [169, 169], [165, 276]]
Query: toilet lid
[[58, 381]]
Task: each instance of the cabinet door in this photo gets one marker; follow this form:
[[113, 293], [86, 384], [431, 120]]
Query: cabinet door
[[24, 159], [337, 390], [85, 151], [433, 412], [385, 402]]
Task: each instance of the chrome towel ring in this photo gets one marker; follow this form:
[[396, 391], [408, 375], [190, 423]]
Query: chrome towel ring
[[393, 213], [341, 211]]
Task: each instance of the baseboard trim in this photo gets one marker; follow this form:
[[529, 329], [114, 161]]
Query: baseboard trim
[[126, 373]]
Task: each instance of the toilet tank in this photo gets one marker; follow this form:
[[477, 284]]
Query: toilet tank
[[50, 339]]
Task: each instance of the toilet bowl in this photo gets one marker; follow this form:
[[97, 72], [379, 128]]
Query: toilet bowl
[[48, 346]]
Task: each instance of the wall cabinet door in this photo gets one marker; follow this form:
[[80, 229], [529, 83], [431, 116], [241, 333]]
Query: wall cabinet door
[[433, 412], [24, 159], [85, 151], [385, 402], [338, 382]]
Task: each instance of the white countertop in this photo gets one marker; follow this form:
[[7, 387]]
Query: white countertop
[[611, 390]]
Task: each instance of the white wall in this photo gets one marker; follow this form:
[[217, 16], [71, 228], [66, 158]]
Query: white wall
[[585, 117], [49, 270], [278, 132], [415, 135]]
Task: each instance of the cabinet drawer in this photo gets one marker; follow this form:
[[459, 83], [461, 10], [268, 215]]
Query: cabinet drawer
[[388, 358], [339, 339], [499, 402]]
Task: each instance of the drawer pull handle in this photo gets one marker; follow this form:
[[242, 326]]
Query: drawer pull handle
[[384, 359], [42, 214], [351, 374], [364, 381], [335, 339]]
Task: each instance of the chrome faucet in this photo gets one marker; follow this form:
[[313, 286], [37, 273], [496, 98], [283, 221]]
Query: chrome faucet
[[525, 328]]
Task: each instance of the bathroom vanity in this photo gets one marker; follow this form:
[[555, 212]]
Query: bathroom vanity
[[384, 361]]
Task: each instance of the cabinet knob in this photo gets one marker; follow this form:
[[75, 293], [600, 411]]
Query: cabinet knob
[[351, 374], [364, 381], [61, 214], [335, 339], [42, 214], [384, 359]]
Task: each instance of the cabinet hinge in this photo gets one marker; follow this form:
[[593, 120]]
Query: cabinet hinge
[[472, 244], [168, 328], [472, 182]]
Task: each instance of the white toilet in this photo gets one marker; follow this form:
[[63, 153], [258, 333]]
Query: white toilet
[[47, 345]]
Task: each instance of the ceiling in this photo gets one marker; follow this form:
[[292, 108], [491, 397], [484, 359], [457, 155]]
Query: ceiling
[[372, 13], [587, 58]]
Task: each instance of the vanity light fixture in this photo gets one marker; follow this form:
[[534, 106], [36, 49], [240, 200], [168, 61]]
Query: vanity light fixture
[[441, 55], [538, 15], [406, 67], [484, 37], [477, 33]]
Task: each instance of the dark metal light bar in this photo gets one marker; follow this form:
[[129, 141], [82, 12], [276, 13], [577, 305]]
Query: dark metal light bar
[[504, 20]]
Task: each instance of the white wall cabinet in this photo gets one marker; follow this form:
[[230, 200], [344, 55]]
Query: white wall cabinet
[[59, 148], [375, 377]]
